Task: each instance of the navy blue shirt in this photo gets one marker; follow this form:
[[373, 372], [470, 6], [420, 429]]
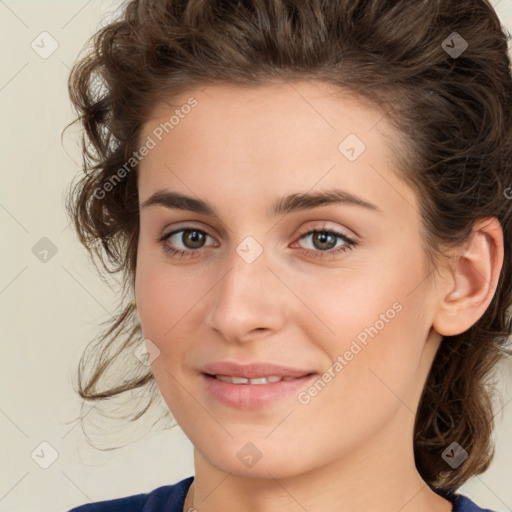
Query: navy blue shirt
[[170, 498]]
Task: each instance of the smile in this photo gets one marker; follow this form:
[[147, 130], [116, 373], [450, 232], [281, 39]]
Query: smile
[[253, 393], [258, 380]]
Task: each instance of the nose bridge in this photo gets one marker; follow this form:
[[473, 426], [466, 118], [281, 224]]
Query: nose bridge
[[245, 299]]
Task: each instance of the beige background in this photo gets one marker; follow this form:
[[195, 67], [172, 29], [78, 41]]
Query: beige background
[[49, 310]]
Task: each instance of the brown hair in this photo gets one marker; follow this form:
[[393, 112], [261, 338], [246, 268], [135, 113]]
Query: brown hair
[[454, 112]]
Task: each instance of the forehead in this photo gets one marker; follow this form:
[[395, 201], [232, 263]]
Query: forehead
[[309, 108], [278, 136]]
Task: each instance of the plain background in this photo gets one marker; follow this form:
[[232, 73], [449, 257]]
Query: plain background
[[51, 309]]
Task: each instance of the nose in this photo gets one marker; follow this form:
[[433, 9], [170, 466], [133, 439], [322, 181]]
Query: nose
[[249, 301]]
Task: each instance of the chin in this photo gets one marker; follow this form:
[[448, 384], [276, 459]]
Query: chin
[[246, 459], [261, 470]]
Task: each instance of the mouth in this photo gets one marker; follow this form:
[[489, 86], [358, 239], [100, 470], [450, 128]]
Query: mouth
[[257, 380], [244, 393]]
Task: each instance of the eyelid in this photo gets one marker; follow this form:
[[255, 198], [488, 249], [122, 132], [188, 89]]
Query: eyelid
[[183, 227], [326, 227]]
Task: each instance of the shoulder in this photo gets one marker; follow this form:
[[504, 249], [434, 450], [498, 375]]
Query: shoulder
[[464, 504], [168, 497]]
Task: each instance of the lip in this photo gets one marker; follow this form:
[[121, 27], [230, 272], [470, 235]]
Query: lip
[[253, 370], [252, 396]]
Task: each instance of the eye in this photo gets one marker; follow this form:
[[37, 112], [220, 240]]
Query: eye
[[325, 242], [191, 237]]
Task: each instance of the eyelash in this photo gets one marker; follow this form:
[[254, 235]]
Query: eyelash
[[180, 253]]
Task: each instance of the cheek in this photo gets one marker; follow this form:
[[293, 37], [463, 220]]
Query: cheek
[[168, 304], [374, 324], [163, 292], [162, 303]]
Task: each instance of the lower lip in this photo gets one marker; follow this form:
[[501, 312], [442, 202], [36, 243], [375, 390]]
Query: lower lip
[[250, 396]]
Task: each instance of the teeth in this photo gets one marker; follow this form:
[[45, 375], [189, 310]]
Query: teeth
[[259, 380]]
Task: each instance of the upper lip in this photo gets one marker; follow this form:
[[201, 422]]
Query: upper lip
[[252, 370]]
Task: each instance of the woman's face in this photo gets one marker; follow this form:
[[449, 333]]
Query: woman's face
[[352, 306]]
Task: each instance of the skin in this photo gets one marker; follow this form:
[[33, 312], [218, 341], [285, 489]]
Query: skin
[[350, 448]]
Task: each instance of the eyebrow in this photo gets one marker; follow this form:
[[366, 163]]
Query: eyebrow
[[288, 204]]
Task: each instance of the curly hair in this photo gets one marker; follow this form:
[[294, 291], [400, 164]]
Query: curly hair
[[454, 112]]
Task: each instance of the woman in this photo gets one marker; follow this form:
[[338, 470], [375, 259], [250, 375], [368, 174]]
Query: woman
[[307, 201]]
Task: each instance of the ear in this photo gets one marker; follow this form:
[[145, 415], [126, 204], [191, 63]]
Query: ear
[[472, 279]]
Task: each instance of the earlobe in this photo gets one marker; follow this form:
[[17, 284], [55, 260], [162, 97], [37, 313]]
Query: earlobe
[[474, 274]]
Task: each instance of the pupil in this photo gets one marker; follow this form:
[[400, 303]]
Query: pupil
[[322, 238], [195, 238]]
